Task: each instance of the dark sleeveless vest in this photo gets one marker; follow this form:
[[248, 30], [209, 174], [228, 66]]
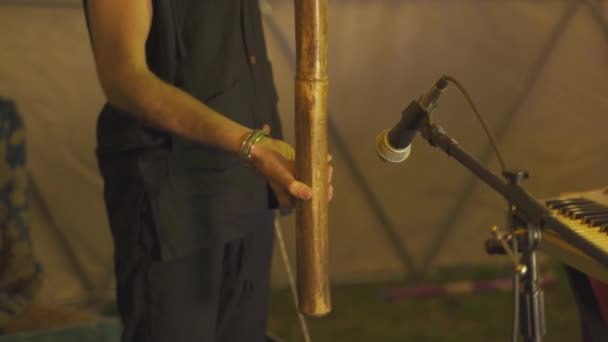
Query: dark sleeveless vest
[[215, 51]]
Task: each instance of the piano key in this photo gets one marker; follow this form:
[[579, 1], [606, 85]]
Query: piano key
[[561, 200], [599, 221], [582, 213], [578, 205], [561, 203], [565, 206], [601, 229], [587, 219], [604, 229]]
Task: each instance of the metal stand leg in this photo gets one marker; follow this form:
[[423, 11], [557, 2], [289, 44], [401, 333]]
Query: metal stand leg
[[532, 306], [530, 301]]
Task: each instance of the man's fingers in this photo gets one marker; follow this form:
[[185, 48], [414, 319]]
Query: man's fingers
[[293, 186], [266, 128], [330, 174], [286, 200], [300, 190], [330, 193]]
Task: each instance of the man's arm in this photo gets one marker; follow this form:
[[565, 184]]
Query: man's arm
[[119, 30]]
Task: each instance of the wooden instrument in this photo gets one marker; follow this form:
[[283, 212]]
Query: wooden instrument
[[586, 214], [311, 156]]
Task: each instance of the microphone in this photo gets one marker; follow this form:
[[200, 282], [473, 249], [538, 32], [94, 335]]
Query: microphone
[[395, 145]]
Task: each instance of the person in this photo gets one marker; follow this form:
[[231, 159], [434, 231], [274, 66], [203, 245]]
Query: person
[[190, 149], [20, 271]]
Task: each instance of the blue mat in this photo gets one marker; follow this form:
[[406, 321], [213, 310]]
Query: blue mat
[[107, 330]]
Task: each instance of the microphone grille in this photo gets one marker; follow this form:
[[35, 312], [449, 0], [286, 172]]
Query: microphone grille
[[389, 153]]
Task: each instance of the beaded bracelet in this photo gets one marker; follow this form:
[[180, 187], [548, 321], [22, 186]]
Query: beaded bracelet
[[252, 138]]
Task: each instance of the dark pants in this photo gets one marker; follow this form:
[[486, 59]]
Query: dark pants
[[216, 293]]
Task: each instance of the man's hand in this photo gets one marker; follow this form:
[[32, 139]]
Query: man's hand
[[275, 159]]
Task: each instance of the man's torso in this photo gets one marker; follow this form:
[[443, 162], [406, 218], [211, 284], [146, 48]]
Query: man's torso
[[215, 51]]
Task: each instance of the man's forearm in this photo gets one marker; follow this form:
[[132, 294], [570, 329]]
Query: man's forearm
[[171, 109]]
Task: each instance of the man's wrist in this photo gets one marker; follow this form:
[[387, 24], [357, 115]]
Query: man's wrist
[[246, 150]]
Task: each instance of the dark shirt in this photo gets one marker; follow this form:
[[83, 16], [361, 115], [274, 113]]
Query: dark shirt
[[215, 51]]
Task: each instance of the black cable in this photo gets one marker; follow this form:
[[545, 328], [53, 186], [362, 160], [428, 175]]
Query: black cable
[[479, 117]]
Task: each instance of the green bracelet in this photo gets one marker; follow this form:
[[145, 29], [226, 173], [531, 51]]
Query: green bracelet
[[252, 138]]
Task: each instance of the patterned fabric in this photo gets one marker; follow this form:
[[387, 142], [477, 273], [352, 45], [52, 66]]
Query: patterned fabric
[[20, 274]]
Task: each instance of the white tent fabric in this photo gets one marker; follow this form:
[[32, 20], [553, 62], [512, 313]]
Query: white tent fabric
[[47, 68], [536, 69]]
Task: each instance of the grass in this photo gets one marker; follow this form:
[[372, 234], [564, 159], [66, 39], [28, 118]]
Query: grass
[[361, 314]]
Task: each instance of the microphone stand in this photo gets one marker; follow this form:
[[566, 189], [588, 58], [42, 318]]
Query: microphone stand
[[524, 211]]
